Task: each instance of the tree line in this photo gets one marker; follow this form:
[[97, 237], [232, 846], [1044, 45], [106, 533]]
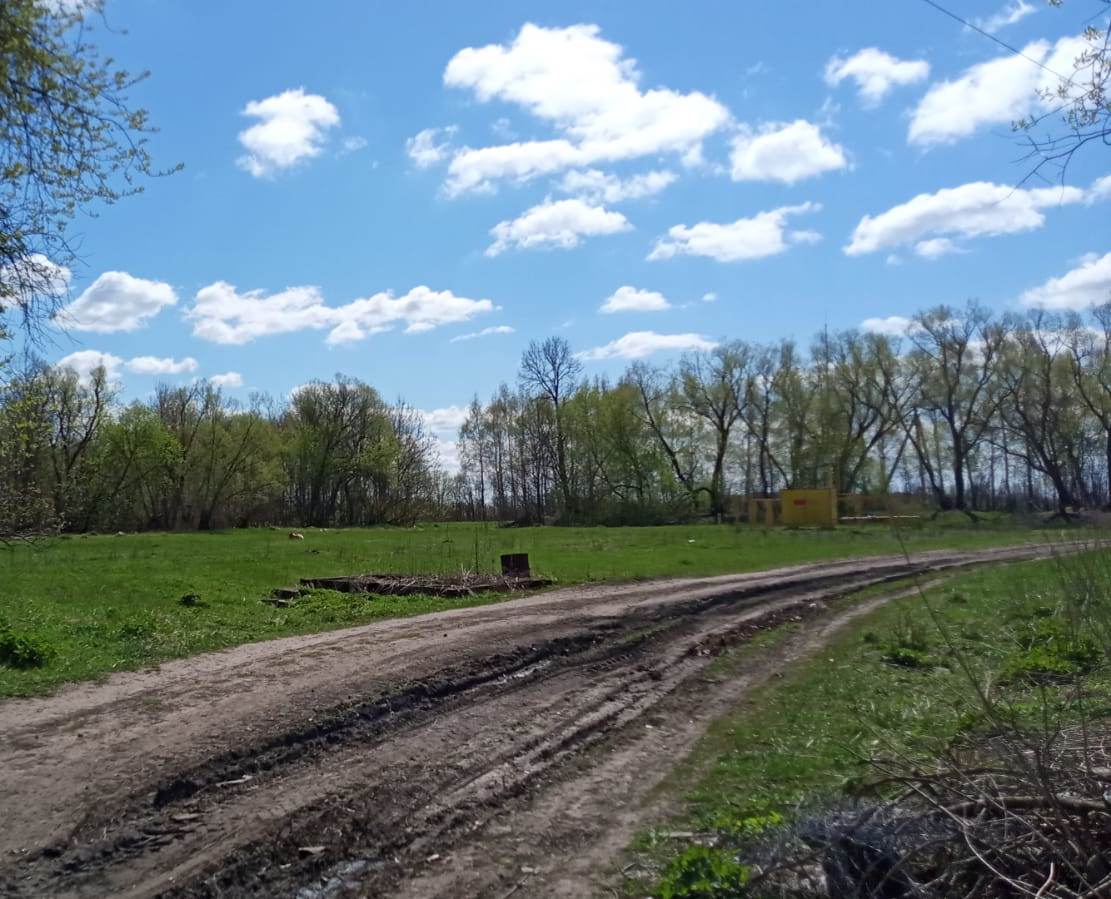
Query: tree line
[[967, 410], [73, 458]]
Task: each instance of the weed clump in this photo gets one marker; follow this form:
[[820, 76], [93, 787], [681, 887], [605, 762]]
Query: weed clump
[[704, 871], [905, 657], [908, 647], [1049, 649], [23, 652]]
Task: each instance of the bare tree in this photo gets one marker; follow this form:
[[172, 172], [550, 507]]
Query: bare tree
[[1037, 402], [551, 370], [1091, 371], [1078, 102], [715, 387], [955, 357]]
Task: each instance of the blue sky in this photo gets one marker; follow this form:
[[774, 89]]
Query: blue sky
[[366, 184]]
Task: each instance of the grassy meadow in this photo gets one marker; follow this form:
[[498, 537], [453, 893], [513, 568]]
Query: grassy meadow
[[78, 607]]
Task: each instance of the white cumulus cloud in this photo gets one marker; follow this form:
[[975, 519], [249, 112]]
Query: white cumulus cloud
[[117, 301], [229, 379], [352, 144], [444, 424], [161, 365], [600, 187], [588, 91], [977, 209], [84, 362], [1100, 190], [630, 299], [892, 325], [638, 344], [936, 247], [222, 314], [875, 72], [997, 92], [430, 146], [446, 418], [1089, 284], [555, 223], [1011, 14], [765, 234], [33, 275], [292, 126], [785, 152], [485, 332]]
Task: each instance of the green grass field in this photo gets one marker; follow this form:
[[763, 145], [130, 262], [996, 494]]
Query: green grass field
[[97, 604], [901, 683]]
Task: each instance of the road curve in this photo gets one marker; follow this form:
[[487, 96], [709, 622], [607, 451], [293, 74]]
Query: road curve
[[477, 752]]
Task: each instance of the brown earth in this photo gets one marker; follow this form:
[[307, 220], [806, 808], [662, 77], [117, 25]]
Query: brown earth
[[500, 750]]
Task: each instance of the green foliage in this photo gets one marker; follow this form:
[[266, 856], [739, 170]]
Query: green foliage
[[747, 827], [69, 140], [703, 872], [25, 510], [21, 651]]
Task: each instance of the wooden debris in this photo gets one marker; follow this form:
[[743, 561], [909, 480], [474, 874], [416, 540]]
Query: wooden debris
[[463, 584], [515, 565], [238, 780]]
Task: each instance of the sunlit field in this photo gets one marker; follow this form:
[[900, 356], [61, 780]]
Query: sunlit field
[[83, 606]]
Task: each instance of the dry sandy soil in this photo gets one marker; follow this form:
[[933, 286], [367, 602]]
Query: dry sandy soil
[[502, 750]]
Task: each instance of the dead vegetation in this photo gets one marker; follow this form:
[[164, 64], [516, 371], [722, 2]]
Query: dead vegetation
[[1020, 816], [465, 583]]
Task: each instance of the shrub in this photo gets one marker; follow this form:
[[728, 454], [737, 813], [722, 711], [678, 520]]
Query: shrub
[[702, 871], [19, 651]]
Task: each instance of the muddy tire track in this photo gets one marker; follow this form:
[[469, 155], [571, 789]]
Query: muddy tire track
[[356, 763]]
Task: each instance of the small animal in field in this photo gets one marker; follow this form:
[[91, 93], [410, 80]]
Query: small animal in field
[[293, 535]]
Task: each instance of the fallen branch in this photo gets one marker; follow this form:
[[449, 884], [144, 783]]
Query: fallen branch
[[1078, 804]]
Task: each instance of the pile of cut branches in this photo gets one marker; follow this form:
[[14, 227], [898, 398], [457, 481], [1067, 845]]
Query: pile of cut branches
[[1016, 817], [464, 583]]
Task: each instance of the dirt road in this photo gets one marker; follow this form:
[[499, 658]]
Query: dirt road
[[491, 751]]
